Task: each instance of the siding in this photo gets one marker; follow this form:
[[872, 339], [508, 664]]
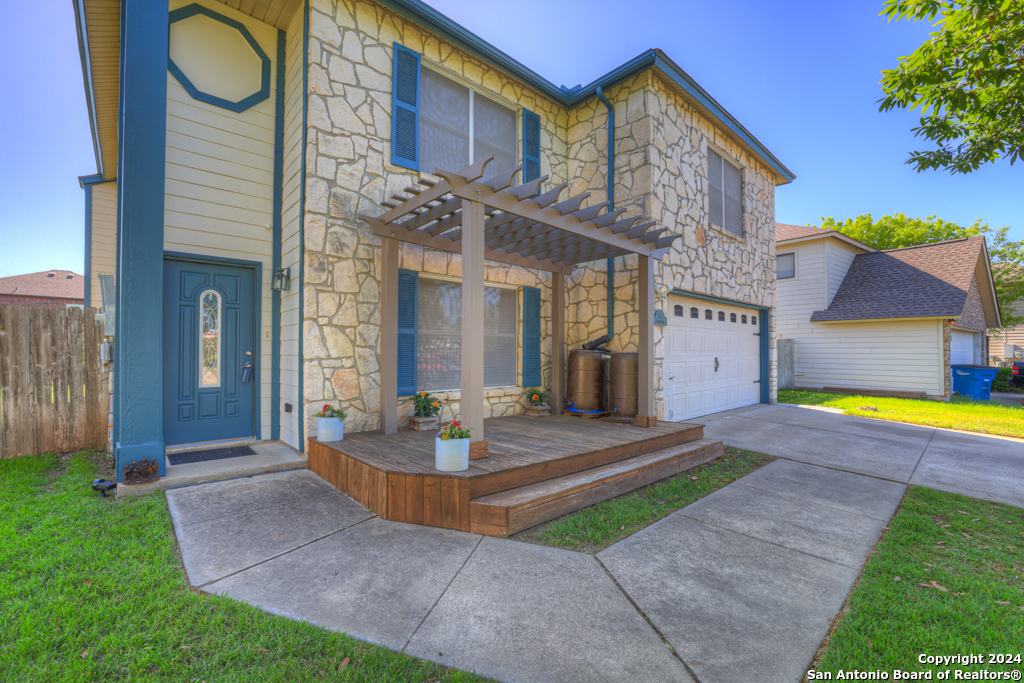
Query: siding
[[290, 328], [839, 259], [219, 183], [104, 238], [896, 355], [1012, 335]]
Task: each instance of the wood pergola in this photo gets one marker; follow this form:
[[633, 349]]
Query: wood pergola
[[494, 220]]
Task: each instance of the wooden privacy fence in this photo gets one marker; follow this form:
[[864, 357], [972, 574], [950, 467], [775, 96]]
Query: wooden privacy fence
[[784, 349], [50, 381]]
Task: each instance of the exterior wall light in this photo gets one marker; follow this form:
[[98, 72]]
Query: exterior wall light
[[282, 279], [662, 289]]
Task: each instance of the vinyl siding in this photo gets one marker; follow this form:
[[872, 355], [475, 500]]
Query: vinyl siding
[[218, 192], [893, 356], [1013, 335], [290, 323], [104, 238]]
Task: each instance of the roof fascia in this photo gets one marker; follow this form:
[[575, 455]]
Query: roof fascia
[[95, 179], [90, 97], [831, 233], [434, 21], [884, 320]]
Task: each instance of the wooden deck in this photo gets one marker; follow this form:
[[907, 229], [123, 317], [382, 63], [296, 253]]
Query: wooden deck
[[394, 475]]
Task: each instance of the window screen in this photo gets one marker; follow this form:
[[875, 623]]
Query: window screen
[[450, 137], [725, 192], [439, 338], [785, 266]]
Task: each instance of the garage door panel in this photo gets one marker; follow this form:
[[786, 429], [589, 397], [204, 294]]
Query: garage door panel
[[693, 387]]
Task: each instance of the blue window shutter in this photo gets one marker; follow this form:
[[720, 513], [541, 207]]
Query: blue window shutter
[[531, 146], [407, 295], [531, 337], [405, 108]]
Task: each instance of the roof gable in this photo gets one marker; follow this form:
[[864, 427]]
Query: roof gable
[[52, 284]]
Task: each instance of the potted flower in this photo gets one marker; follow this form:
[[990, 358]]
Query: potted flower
[[537, 403], [330, 424], [424, 416], [451, 448]]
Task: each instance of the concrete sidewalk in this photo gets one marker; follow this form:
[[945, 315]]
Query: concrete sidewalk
[[740, 586]]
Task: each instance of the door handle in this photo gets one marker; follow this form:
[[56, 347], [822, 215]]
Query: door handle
[[247, 373], [716, 365]]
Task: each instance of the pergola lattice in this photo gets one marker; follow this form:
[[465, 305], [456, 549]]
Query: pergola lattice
[[493, 220]]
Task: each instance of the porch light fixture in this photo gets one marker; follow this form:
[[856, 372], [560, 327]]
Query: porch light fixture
[[282, 279], [662, 290]]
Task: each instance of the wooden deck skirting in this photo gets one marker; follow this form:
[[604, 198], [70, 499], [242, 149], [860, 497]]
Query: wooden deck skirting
[[394, 476]]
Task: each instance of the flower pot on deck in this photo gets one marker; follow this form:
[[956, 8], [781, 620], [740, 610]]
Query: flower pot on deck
[[451, 455], [423, 424], [538, 411], [330, 429]]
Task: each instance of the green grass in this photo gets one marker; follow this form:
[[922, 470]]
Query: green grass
[[595, 528], [973, 549], [93, 589], [986, 417]]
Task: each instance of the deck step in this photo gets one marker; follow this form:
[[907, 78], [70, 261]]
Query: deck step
[[507, 512]]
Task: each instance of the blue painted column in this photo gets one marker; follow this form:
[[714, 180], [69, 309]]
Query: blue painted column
[[138, 365]]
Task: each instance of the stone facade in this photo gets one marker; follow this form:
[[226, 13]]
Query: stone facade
[[661, 148], [973, 315]]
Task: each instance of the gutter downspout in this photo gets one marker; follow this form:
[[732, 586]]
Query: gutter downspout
[[611, 206]]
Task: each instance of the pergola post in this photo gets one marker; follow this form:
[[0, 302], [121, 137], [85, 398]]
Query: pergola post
[[389, 336], [557, 397], [646, 415], [472, 399]]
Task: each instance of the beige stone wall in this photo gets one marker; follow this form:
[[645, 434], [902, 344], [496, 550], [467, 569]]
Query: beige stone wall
[[349, 172], [661, 147]]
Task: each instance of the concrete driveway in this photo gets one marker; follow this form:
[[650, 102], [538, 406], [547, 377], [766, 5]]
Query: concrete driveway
[[740, 586]]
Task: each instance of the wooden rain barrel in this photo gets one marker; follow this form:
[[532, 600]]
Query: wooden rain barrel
[[624, 376], [586, 381]]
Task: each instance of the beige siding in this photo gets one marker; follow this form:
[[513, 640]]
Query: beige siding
[[219, 183], [292, 177], [1013, 335], [840, 256], [104, 238]]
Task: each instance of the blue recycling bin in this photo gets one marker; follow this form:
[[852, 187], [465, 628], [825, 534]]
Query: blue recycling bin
[[973, 381]]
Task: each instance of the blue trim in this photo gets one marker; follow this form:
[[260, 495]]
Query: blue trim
[[197, 94], [90, 94], [407, 332], [257, 320], [275, 310], [531, 151], [302, 223], [411, 126], [532, 376], [763, 331], [142, 141], [88, 245], [434, 21]]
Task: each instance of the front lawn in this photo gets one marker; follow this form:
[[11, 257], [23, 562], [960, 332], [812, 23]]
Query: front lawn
[[947, 578], [986, 417], [93, 589], [593, 529]]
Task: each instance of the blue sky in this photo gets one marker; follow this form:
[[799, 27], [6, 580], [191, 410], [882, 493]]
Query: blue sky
[[801, 76]]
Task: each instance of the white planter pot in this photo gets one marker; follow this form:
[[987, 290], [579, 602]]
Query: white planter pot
[[451, 455], [330, 429]]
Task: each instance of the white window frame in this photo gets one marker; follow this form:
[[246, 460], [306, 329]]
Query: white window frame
[[727, 159], [795, 271], [220, 336], [473, 92]]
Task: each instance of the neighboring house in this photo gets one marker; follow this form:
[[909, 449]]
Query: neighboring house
[[1008, 336], [246, 160], [46, 288], [890, 321]]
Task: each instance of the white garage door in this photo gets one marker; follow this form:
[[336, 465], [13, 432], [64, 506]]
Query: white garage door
[[712, 358], [961, 348]]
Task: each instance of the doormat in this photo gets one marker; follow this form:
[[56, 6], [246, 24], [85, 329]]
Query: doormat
[[212, 454]]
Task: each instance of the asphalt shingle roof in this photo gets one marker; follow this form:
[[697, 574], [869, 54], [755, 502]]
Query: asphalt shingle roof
[[54, 284], [785, 231], [915, 282]]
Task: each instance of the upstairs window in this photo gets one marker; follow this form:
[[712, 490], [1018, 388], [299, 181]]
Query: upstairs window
[[785, 266], [459, 126], [725, 194]]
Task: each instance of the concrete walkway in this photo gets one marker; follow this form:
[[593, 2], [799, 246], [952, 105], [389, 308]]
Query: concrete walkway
[[739, 586]]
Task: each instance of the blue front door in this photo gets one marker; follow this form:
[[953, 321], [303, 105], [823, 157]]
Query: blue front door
[[209, 351]]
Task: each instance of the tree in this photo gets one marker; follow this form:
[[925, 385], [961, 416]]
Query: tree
[[967, 79], [898, 231]]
